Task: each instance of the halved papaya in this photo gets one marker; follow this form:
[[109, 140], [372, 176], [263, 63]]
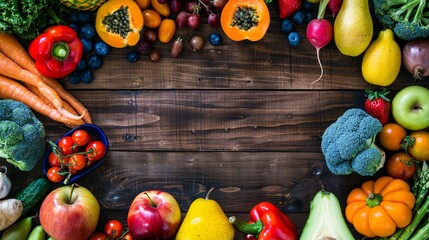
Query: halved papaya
[[119, 22]]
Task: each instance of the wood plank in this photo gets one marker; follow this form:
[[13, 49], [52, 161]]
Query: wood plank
[[214, 120], [267, 64]]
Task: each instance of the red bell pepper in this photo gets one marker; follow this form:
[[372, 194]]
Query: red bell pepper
[[57, 51], [267, 222]]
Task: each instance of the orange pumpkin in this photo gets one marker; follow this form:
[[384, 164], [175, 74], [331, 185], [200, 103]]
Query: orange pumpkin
[[242, 28], [117, 33], [378, 207]]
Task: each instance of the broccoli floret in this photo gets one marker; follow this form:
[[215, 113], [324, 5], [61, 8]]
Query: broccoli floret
[[409, 19], [22, 135], [348, 144]]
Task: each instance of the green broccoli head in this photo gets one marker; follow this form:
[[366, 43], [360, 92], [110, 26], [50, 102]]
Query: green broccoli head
[[368, 162], [409, 19], [349, 138], [22, 135]]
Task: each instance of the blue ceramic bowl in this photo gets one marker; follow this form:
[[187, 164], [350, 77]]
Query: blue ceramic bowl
[[97, 134]]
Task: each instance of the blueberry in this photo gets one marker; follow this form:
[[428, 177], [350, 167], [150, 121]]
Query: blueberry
[[74, 18], [309, 16], [88, 31], [287, 26], [215, 39], [307, 5], [294, 39], [82, 65], [299, 17], [84, 16], [95, 61], [88, 45], [86, 76], [101, 48], [133, 56], [74, 77], [75, 27]]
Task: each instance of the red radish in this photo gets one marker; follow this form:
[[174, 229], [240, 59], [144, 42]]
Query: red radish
[[319, 32], [334, 6]]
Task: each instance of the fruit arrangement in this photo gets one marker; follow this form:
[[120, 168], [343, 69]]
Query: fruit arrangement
[[385, 135]]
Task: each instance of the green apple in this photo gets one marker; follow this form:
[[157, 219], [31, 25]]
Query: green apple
[[410, 107]]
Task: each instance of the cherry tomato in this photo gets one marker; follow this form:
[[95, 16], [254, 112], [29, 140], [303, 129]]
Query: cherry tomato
[[161, 8], [53, 160], [391, 136], [143, 4], [98, 236], [128, 236], [67, 146], [151, 18], [53, 175], [400, 165], [166, 30], [420, 149], [97, 150], [77, 162], [81, 137], [113, 229]]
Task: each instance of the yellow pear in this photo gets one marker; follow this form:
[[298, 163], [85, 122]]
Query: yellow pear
[[381, 62], [205, 220], [353, 27]]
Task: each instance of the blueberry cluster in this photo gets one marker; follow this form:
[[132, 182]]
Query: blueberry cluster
[[300, 17], [94, 49]]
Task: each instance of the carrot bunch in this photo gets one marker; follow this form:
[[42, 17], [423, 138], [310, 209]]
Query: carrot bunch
[[21, 81]]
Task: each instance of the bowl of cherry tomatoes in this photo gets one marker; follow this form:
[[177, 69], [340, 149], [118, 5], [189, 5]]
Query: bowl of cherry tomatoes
[[75, 154]]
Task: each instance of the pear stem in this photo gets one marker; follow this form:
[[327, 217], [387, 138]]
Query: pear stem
[[210, 193]]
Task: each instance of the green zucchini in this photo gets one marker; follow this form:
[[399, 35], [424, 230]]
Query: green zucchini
[[33, 193]]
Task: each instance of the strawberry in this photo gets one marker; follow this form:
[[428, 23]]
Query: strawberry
[[378, 105], [288, 7]]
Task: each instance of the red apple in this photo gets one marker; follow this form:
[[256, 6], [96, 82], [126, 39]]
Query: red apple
[[154, 215], [69, 213]]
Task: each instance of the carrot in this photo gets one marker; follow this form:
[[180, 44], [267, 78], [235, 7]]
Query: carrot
[[10, 69], [10, 211], [10, 89], [15, 51], [36, 92]]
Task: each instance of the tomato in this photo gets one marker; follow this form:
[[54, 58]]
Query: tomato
[[77, 162], [391, 136], [152, 19], [53, 160], [166, 30], [420, 149], [67, 146], [128, 236], [98, 236], [81, 137], [143, 4], [96, 150], [113, 229], [53, 175], [400, 165]]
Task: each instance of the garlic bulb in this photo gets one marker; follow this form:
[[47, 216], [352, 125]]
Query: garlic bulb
[[5, 183]]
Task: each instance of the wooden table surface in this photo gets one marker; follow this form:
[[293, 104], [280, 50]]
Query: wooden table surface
[[242, 117]]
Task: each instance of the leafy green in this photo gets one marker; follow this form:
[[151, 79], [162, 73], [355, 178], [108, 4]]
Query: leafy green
[[28, 18]]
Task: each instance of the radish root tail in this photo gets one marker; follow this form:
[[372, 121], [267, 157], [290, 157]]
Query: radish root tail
[[321, 67]]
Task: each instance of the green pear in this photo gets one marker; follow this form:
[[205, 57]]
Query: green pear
[[206, 220]]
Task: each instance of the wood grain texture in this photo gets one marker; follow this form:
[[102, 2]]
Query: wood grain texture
[[242, 117]]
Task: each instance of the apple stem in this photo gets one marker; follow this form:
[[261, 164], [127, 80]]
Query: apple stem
[[73, 186], [210, 193], [150, 200]]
